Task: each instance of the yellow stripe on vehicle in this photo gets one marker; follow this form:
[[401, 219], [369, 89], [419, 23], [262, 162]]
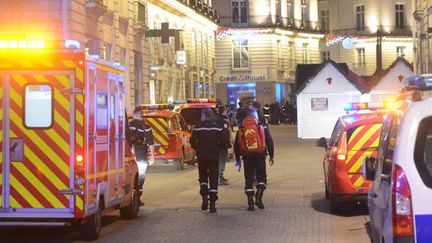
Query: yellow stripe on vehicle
[[78, 71], [63, 79], [359, 162], [45, 192], [79, 138], [41, 144], [156, 124], [104, 173], [59, 140], [79, 202], [38, 163], [355, 133], [19, 79], [14, 203], [359, 181], [366, 137], [63, 123], [63, 101], [79, 118], [48, 63], [24, 193]]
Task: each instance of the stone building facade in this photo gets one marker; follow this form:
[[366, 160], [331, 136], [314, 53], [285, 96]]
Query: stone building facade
[[259, 45], [355, 26]]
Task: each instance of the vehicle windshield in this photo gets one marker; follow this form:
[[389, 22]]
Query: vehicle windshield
[[193, 115]]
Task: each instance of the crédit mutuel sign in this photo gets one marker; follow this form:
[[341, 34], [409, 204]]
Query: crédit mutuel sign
[[242, 77]]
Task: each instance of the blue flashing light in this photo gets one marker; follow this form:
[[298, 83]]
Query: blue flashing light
[[349, 119], [73, 44], [348, 106], [419, 82]]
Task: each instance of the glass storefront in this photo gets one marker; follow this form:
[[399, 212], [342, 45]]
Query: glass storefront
[[236, 91]]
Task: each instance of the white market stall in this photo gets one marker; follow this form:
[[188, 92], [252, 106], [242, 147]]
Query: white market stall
[[388, 86], [321, 99]]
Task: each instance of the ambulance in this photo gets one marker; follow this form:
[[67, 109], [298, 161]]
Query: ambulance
[[354, 137], [64, 156], [171, 135]]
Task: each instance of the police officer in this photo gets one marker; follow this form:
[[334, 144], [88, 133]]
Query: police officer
[[255, 165], [223, 121], [208, 139], [143, 140]]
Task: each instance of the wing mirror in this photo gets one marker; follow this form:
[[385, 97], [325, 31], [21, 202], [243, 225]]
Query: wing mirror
[[369, 168], [322, 142]]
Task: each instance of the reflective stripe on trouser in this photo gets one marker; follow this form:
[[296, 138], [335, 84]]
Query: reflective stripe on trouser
[[208, 168], [254, 166]]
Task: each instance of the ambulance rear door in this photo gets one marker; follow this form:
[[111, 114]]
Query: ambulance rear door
[[37, 143]]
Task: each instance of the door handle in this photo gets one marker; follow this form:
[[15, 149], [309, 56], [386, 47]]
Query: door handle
[[373, 194]]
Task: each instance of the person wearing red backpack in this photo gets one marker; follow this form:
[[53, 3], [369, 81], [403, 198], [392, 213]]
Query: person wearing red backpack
[[253, 141]]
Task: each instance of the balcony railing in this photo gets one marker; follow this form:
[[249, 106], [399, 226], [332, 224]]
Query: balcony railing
[[268, 21], [385, 31], [202, 8]]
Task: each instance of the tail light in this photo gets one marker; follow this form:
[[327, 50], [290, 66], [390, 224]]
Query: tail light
[[79, 164], [341, 154], [401, 204]]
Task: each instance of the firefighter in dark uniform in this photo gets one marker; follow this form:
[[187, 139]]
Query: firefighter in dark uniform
[[223, 121], [255, 164], [208, 139], [143, 140]]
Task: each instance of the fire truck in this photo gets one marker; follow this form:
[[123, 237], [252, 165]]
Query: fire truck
[[64, 155]]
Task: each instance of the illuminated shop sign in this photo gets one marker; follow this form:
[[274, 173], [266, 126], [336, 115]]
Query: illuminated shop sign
[[222, 33], [236, 78]]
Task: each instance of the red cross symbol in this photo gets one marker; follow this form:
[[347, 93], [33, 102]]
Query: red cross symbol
[[329, 80], [401, 78]]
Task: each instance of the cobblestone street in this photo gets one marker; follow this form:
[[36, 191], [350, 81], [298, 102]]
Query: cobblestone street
[[296, 210]]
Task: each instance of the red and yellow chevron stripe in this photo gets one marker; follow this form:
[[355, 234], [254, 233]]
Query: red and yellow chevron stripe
[[159, 127], [363, 142], [36, 181]]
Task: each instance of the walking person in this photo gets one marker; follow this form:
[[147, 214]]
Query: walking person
[[208, 139], [251, 144], [223, 121], [143, 140]]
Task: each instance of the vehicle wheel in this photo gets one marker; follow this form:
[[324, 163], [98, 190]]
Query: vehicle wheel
[[90, 230], [131, 211]]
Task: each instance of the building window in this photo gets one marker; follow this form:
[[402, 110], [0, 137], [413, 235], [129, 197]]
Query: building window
[[361, 57], [140, 13], [360, 16], [400, 51], [107, 52], [290, 12], [304, 12], [325, 56], [239, 12], [325, 21], [305, 53], [399, 13], [240, 54]]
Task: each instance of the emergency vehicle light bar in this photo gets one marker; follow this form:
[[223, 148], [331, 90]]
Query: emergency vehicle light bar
[[22, 44], [154, 106], [203, 100], [367, 106], [419, 82]]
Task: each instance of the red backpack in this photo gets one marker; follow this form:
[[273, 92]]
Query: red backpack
[[251, 136]]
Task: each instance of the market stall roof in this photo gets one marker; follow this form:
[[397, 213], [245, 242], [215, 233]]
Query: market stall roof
[[305, 73]]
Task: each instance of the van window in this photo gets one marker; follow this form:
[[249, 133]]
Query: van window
[[337, 132], [38, 106], [387, 145], [101, 110], [423, 151]]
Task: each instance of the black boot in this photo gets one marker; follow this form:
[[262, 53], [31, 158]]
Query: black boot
[[212, 207], [250, 203], [204, 205], [258, 198]]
